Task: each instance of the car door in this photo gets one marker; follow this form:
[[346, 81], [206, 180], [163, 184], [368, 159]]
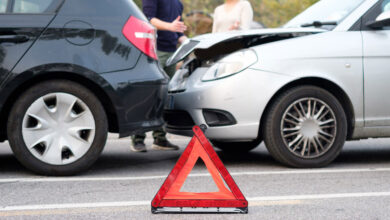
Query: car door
[[376, 64], [21, 23]]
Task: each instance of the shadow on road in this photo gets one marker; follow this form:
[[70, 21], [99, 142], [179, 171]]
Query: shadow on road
[[153, 161], [364, 156], [157, 162], [9, 164]]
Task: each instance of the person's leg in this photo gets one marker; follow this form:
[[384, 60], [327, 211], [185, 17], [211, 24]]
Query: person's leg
[[138, 137], [138, 144], [161, 142], [163, 57], [170, 70], [159, 135]]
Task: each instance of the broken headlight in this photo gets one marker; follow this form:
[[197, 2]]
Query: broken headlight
[[231, 64]]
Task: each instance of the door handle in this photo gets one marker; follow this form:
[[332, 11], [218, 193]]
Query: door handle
[[13, 38]]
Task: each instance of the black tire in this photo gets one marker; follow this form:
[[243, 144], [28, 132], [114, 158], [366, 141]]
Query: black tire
[[277, 144], [236, 147], [15, 123]]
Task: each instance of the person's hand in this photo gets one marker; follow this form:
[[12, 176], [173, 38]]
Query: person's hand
[[182, 39], [178, 26], [235, 26]]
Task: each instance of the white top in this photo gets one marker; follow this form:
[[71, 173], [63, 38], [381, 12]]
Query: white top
[[241, 12]]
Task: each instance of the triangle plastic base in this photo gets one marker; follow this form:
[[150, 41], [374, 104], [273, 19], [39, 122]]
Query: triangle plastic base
[[170, 199], [199, 210]]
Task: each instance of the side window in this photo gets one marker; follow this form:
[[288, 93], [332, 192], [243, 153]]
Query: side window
[[386, 8], [386, 5], [374, 12], [3, 6], [31, 6]]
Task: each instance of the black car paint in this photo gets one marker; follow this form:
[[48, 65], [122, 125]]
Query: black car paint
[[84, 42]]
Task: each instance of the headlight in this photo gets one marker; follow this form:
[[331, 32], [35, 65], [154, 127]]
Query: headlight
[[230, 65]]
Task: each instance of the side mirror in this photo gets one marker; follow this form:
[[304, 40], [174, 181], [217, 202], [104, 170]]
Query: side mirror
[[383, 20]]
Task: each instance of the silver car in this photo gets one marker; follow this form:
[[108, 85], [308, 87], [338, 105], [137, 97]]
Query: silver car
[[304, 89]]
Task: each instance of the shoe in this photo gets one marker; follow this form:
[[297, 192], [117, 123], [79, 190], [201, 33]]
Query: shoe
[[164, 145], [138, 147]]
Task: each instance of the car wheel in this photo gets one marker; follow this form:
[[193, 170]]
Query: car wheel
[[57, 127], [236, 147], [305, 127]]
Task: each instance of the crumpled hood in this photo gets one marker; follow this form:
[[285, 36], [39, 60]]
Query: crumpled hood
[[208, 40]]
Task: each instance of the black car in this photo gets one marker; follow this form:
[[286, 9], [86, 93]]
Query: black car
[[71, 71]]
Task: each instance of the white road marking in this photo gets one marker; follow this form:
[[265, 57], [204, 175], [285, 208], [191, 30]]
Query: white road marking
[[320, 196], [273, 200], [130, 178], [74, 205]]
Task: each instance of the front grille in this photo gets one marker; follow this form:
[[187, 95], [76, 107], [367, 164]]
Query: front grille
[[178, 119]]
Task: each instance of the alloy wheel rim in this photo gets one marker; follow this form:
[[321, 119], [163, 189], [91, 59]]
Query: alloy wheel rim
[[58, 128], [308, 128]]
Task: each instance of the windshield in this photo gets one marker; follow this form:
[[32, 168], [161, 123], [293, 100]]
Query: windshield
[[325, 11]]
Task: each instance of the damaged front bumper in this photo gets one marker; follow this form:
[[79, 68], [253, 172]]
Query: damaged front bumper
[[230, 107]]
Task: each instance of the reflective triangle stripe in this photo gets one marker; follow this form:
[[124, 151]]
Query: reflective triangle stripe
[[169, 194]]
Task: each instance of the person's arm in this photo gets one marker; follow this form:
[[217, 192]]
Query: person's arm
[[214, 21], [174, 26], [182, 39], [246, 16], [149, 7]]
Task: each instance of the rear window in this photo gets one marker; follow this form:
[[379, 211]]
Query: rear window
[[3, 6], [31, 6]]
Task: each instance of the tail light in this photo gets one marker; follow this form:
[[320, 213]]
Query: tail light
[[142, 35]]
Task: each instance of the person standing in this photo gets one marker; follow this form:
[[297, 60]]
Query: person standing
[[165, 16], [233, 15]]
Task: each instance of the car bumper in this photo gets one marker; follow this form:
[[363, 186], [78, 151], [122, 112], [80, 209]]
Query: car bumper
[[144, 112], [138, 95], [244, 96]]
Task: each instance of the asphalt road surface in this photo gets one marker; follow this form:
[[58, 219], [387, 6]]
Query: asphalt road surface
[[122, 184]]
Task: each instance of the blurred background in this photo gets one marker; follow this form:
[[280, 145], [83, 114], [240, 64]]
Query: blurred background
[[267, 13]]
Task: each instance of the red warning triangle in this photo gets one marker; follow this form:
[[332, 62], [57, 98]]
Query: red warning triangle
[[170, 196]]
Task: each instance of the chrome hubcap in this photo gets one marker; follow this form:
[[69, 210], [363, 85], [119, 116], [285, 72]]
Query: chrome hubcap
[[308, 128], [58, 128]]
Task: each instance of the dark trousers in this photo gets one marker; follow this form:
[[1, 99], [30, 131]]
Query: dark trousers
[[159, 134]]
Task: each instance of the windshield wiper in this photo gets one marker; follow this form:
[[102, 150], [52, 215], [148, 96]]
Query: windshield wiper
[[319, 24]]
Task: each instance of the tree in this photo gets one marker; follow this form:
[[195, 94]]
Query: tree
[[272, 13], [138, 2]]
